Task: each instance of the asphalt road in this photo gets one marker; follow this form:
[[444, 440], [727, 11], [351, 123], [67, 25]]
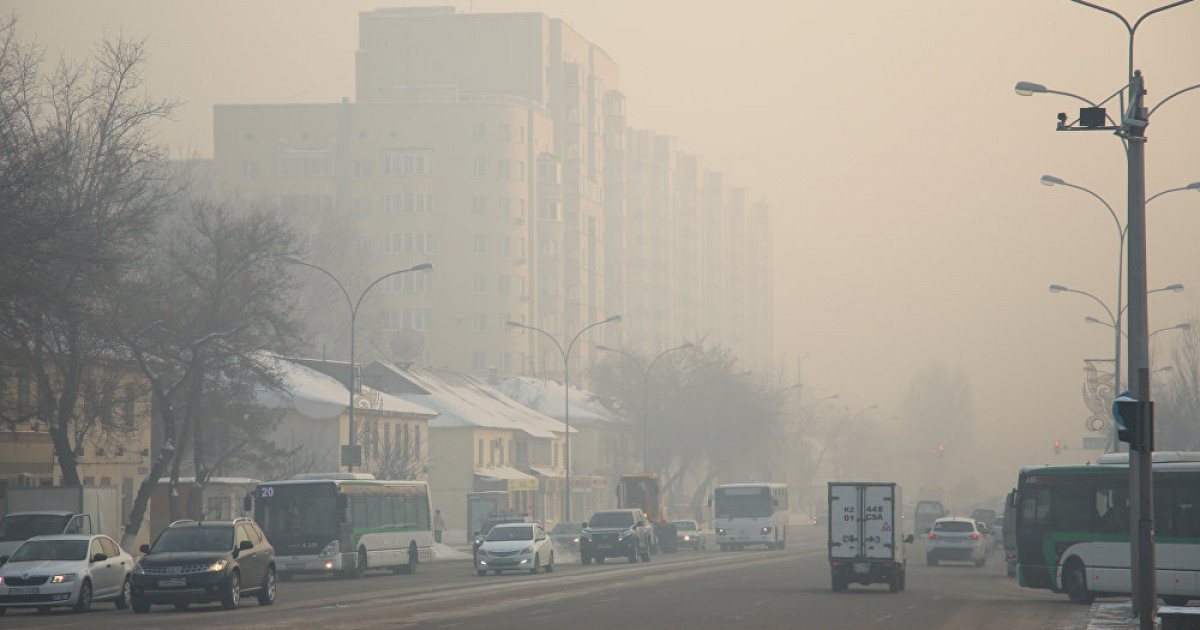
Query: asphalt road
[[694, 590]]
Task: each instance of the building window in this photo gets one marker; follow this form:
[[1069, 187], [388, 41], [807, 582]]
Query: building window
[[408, 243], [362, 206], [407, 162], [504, 285], [504, 168], [504, 132], [314, 203], [306, 163], [479, 206], [249, 170], [415, 318], [479, 361], [505, 245], [506, 361], [479, 168], [504, 207], [479, 322], [520, 170], [408, 203], [479, 131], [521, 135], [548, 210], [479, 244], [480, 458], [479, 285], [128, 406], [412, 283]]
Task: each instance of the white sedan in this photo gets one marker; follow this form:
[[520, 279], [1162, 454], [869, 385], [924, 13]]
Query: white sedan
[[515, 546], [66, 570]]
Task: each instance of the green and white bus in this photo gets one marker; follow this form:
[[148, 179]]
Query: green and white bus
[[344, 523], [1073, 527]]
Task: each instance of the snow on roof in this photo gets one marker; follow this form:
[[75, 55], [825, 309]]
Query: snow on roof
[[546, 396], [465, 401], [318, 395]]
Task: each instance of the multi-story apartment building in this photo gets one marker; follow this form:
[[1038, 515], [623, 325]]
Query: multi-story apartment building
[[495, 146]]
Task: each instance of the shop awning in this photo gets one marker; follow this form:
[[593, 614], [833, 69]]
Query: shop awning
[[548, 473], [514, 479]]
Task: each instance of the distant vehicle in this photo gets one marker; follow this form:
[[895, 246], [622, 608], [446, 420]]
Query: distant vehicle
[[690, 535], [565, 536], [642, 491], [984, 515], [1008, 534], [926, 513], [1073, 532], [344, 523], [515, 547], [955, 538], [988, 536], [71, 570], [751, 514], [866, 541], [59, 510], [615, 534]]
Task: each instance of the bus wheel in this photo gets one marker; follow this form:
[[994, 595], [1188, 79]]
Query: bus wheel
[[413, 560], [1075, 583]]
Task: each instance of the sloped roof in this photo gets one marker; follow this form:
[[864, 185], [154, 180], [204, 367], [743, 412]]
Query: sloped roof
[[546, 396], [462, 400], [317, 395]]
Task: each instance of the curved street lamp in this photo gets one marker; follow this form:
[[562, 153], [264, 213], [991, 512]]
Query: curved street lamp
[[645, 393], [355, 456], [566, 356]]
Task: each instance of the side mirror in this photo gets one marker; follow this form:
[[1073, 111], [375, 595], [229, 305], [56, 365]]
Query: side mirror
[[908, 538], [99, 557], [245, 545], [583, 525], [144, 549]]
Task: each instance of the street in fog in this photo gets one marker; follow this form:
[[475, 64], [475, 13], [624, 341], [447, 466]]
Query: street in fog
[[747, 589]]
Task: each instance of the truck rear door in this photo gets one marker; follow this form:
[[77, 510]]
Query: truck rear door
[[878, 528], [844, 534]]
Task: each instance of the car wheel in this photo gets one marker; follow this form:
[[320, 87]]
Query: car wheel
[[3, 610], [982, 560], [537, 564], [270, 589], [139, 607], [233, 592], [85, 597], [285, 577], [600, 559], [181, 606], [360, 565], [1075, 583], [497, 571], [482, 572], [550, 565], [633, 555], [839, 583], [931, 560], [586, 560], [895, 582], [646, 557], [122, 600], [724, 547], [413, 560]]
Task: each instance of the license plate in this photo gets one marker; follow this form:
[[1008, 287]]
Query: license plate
[[862, 567], [604, 546], [23, 590], [169, 582]]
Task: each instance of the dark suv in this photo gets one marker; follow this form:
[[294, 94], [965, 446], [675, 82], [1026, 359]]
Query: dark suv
[[615, 534], [198, 562]]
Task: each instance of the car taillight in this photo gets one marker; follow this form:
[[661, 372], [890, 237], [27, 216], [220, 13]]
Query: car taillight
[[931, 536], [975, 536]]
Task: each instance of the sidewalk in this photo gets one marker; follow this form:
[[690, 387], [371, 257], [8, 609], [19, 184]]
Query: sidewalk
[[1119, 615]]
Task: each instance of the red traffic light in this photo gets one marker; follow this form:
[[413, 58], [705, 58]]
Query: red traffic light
[[1057, 443]]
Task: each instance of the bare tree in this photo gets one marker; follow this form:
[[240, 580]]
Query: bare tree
[[1178, 394], [77, 197]]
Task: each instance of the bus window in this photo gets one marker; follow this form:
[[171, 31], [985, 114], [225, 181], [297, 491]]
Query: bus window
[[1112, 509]]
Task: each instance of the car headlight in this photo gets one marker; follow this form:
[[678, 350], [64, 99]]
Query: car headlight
[[576, 539], [219, 565], [1, 579], [65, 577], [687, 537], [137, 568], [331, 550]]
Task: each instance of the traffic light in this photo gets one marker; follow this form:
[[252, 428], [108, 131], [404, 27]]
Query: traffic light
[[940, 450], [1057, 447]]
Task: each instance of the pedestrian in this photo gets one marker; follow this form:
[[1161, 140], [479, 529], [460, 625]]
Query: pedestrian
[[439, 525]]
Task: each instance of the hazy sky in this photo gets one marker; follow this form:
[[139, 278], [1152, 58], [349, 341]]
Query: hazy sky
[[901, 167]]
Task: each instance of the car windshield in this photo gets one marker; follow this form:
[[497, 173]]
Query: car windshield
[[519, 532], [194, 539], [26, 526], [685, 526], [566, 528], [51, 550], [958, 527], [611, 519]]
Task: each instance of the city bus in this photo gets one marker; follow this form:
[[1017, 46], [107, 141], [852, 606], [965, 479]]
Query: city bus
[[1072, 527], [344, 523], [751, 514]]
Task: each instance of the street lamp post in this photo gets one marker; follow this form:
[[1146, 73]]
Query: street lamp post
[[645, 393], [1132, 129], [351, 457], [566, 356]]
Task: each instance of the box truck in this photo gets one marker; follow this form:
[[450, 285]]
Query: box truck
[[59, 510], [866, 540]]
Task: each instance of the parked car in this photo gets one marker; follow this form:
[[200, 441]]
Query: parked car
[[515, 547], [955, 538], [615, 534], [199, 562], [65, 570], [565, 536], [690, 535]]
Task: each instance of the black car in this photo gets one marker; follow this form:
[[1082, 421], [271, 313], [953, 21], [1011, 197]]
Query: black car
[[615, 534], [565, 537], [198, 562]]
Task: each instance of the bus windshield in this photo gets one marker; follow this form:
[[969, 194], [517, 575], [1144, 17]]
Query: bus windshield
[[748, 502], [298, 518]]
